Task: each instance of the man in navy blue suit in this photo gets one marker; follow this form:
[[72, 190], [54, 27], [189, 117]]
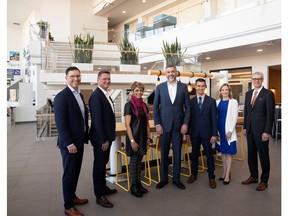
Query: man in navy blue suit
[[203, 130], [171, 118], [71, 117], [102, 134], [258, 121]]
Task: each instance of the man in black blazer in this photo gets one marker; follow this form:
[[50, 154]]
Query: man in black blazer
[[258, 120], [203, 130], [171, 118], [102, 134], [71, 117]]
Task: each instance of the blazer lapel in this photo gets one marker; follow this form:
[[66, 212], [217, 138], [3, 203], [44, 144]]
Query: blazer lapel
[[74, 99]]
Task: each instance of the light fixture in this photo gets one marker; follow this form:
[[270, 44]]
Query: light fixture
[[189, 87], [208, 58], [144, 1], [124, 12], [158, 80], [273, 90], [259, 50]]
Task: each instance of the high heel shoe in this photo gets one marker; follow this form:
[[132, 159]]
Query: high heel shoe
[[226, 182], [221, 179]]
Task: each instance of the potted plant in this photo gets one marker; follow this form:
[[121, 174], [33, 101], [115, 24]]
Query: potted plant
[[128, 55], [172, 52], [43, 28], [83, 51]]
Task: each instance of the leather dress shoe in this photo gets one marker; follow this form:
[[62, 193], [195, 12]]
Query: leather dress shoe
[[250, 180], [109, 191], [191, 179], [161, 184], [262, 186], [212, 183], [73, 212], [179, 184], [103, 201], [78, 201]]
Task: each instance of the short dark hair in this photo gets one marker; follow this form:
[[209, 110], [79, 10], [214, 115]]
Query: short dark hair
[[200, 80], [102, 72], [71, 69], [171, 66]]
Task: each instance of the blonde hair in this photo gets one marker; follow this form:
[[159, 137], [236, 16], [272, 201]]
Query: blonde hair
[[229, 88]]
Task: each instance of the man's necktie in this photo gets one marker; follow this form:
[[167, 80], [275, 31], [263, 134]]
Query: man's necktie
[[254, 98], [200, 103]]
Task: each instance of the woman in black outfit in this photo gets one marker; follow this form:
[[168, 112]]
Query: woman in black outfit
[[137, 136]]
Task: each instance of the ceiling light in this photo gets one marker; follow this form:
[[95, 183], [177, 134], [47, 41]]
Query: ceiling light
[[144, 1], [123, 12], [208, 58], [259, 50]]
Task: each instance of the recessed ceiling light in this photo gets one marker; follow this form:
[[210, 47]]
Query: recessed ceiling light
[[259, 50], [144, 1], [123, 12], [208, 58]]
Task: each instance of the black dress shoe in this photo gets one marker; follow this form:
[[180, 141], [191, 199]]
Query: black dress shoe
[[179, 184], [103, 201], [109, 191], [161, 184]]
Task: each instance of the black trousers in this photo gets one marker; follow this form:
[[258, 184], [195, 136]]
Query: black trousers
[[71, 169], [101, 158], [257, 147]]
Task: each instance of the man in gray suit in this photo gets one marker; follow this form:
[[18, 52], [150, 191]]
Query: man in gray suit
[[171, 118], [258, 120]]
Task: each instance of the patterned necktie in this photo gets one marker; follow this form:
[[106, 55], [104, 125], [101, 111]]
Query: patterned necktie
[[254, 98], [200, 103]]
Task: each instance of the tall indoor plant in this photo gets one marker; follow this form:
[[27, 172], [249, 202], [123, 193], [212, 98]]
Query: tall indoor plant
[[83, 48], [172, 52], [129, 53]]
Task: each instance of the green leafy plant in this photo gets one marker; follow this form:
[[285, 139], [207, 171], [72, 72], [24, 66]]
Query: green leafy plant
[[83, 48], [129, 54], [43, 28], [172, 52]]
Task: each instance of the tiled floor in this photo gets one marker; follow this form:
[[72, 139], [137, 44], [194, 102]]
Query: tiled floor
[[34, 186]]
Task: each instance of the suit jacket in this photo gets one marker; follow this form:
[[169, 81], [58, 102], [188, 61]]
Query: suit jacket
[[261, 116], [168, 114], [69, 120], [102, 118], [203, 122]]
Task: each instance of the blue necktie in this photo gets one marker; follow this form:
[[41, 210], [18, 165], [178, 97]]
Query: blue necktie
[[200, 103]]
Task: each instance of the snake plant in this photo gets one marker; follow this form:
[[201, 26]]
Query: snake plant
[[83, 48], [172, 52], [129, 54]]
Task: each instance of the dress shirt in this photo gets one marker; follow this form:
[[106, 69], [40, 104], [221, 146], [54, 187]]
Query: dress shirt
[[258, 91], [107, 94], [172, 89]]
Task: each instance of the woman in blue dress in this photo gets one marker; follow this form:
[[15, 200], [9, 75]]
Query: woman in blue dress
[[227, 119]]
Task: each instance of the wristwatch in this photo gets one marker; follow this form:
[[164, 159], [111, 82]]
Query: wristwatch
[[131, 141]]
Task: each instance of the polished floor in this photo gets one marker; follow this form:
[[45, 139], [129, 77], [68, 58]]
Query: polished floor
[[34, 186]]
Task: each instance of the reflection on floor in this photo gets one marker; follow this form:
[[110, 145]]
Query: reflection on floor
[[34, 186]]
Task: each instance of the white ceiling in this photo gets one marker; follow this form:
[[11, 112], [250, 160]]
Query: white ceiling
[[19, 10]]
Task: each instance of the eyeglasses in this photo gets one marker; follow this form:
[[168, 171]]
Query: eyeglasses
[[73, 76], [257, 79]]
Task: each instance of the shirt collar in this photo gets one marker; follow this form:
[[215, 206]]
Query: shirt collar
[[74, 90]]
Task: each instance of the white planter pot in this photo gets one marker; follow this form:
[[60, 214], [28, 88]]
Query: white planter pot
[[130, 68], [84, 66]]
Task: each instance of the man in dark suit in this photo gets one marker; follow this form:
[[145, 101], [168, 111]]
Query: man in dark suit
[[203, 130], [102, 134], [71, 117], [258, 120], [171, 118]]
